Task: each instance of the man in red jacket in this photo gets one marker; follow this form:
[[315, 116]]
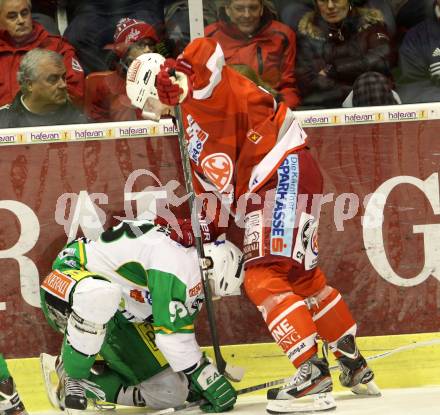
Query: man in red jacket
[[248, 35], [18, 35]]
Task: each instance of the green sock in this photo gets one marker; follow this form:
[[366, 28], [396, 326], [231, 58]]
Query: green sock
[[76, 364], [4, 372]]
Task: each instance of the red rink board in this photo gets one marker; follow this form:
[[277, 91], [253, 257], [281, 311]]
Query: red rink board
[[396, 157]]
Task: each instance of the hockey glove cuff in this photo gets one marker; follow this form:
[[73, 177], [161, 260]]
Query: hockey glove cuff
[[214, 387], [183, 231]]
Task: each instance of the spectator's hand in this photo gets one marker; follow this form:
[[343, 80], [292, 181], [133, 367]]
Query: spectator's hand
[[172, 82], [214, 387], [434, 70]]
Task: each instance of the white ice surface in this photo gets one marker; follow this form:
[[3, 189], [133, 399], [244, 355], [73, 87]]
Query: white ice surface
[[415, 401]]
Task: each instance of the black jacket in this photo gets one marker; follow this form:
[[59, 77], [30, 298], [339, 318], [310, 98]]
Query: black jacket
[[16, 115], [360, 44], [419, 50]]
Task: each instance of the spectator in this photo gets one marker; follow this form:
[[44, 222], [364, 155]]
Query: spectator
[[43, 98], [105, 97], [44, 12], [419, 61], [176, 16], [371, 89], [338, 42], [291, 12], [408, 13], [385, 8], [248, 35], [93, 23], [18, 35]]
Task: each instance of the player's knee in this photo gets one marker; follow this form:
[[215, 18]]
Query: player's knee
[[164, 390], [85, 336], [94, 303], [322, 296], [96, 300]]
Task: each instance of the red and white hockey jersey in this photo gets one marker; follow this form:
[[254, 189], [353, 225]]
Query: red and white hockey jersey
[[237, 134]]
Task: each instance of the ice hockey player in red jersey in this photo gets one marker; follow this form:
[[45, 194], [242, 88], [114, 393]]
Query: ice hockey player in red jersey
[[247, 148]]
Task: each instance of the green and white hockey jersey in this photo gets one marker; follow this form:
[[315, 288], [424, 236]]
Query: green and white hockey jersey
[[160, 281]]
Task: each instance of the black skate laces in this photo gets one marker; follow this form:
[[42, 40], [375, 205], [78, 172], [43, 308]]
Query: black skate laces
[[79, 387]]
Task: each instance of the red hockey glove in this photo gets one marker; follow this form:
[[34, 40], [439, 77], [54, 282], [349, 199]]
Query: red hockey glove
[[172, 82], [186, 235], [184, 66], [169, 92], [179, 65]]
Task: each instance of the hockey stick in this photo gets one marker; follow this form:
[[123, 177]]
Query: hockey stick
[[233, 373], [283, 381]]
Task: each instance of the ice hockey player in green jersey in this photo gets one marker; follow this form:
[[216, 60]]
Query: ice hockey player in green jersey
[[10, 402], [132, 297]]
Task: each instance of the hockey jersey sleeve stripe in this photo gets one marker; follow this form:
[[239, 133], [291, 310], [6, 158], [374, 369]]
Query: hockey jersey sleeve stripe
[[215, 64], [188, 329], [82, 254]]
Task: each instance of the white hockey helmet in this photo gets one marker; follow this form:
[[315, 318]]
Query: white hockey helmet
[[141, 78], [226, 276]]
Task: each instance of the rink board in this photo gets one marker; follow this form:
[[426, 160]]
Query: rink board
[[419, 367], [75, 181]]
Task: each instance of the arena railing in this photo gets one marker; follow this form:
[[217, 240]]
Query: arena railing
[[166, 127]]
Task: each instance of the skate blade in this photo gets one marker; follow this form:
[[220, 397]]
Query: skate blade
[[319, 403], [50, 377], [6, 403], [367, 389]]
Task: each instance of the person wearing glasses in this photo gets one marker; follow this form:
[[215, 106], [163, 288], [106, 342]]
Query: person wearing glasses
[[337, 43]]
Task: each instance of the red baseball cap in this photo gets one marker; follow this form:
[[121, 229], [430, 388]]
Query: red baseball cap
[[129, 31]]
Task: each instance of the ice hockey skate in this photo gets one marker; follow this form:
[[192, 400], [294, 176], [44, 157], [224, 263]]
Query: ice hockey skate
[[312, 382], [355, 373], [67, 392], [10, 402]]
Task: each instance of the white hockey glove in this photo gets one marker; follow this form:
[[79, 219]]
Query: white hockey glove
[[214, 387]]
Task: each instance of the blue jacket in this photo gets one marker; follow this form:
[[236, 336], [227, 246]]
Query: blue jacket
[[420, 48]]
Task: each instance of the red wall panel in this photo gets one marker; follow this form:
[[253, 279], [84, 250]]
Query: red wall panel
[[355, 160]]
